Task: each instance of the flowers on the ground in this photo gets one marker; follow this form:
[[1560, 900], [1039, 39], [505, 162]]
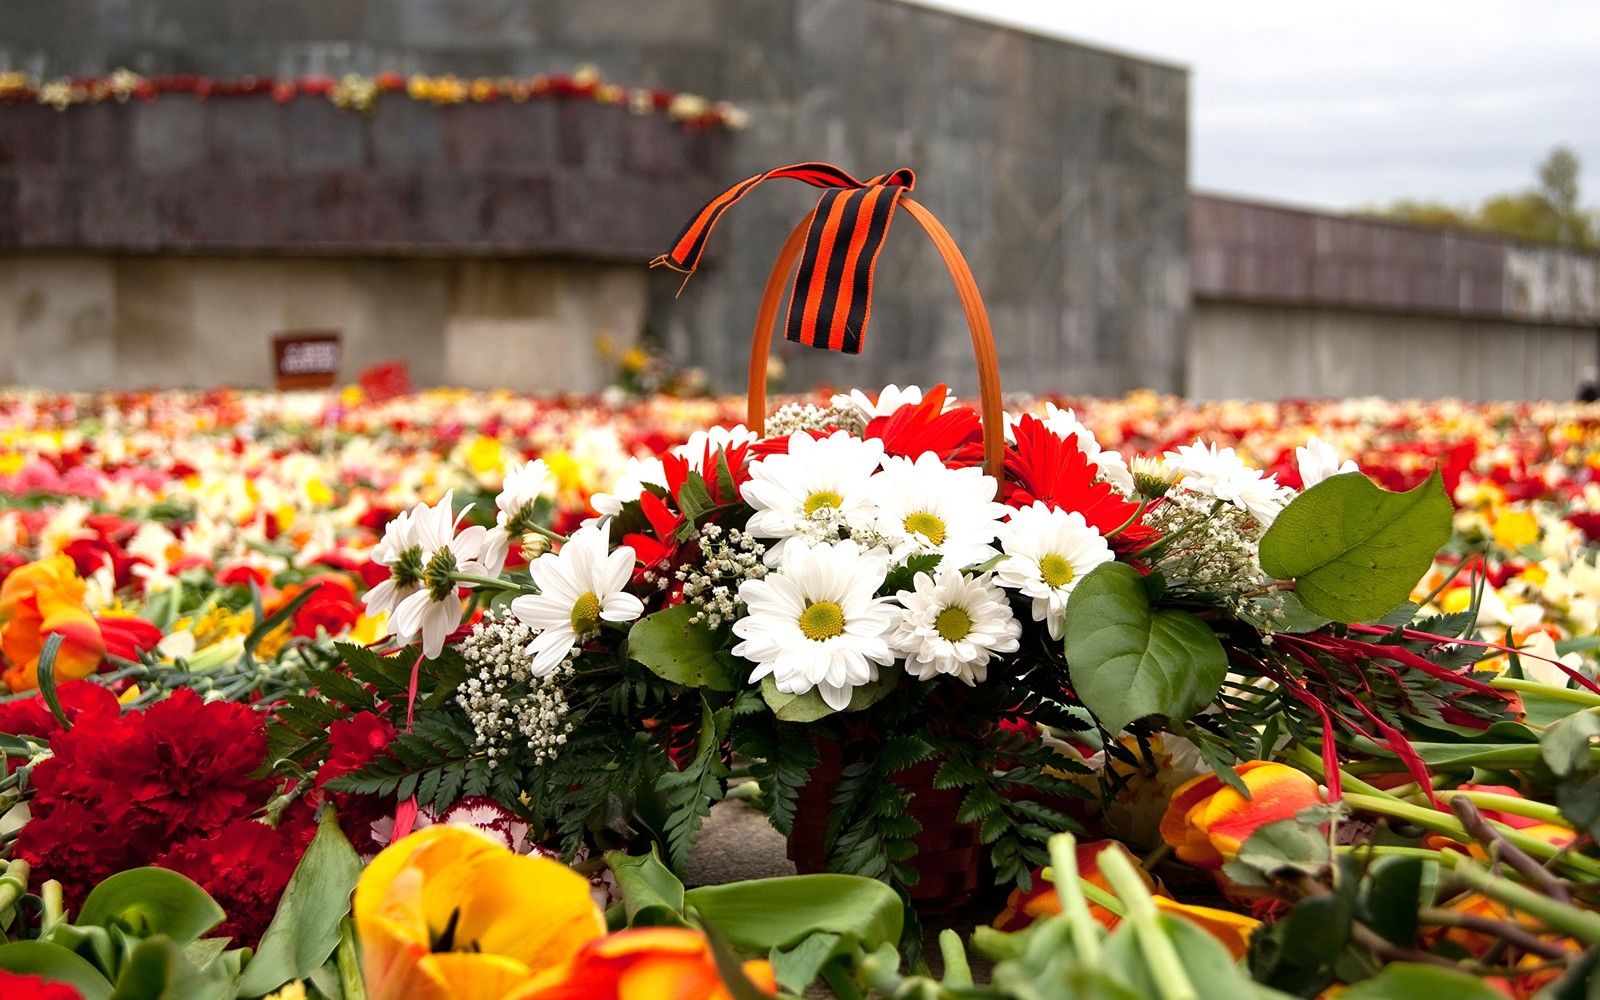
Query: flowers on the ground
[[42, 599], [673, 962]]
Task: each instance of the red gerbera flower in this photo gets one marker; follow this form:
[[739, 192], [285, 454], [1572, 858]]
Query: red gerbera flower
[[955, 435], [1047, 467]]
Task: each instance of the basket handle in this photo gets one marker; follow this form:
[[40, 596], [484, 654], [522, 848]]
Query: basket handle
[[983, 350]]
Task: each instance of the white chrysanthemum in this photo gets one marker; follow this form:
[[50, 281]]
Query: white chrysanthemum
[[398, 551], [1318, 461], [524, 485], [1110, 465], [1222, 474], [922, 506], [889, 400], [954, 624], [579, 587], [725, 438], [830, 475], [1047, 552], [815, 622], [433, 610], [630, 485]]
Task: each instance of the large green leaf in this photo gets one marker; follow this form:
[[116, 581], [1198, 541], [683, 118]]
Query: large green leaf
[[810, 707], [1128, 661], [651, 894], [305, 930], [57, 964], [763, 914], [159, 970], [151, 901], [677, 651], [1353, 549]]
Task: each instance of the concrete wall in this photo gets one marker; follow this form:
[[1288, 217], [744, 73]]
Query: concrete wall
[[92, 321], [1061, 170], [1279, 352]]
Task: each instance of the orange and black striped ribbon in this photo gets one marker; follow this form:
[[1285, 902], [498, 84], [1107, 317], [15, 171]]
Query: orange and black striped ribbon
[[832, 296]]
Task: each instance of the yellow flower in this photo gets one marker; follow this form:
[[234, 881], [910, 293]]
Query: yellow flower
[[449, 914], [1515, 528]]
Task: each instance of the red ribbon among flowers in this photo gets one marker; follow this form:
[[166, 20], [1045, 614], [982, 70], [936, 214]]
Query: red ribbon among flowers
[[832, 296]]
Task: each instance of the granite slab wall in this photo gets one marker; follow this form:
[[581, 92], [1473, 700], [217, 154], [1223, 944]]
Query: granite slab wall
[[1060, 169]]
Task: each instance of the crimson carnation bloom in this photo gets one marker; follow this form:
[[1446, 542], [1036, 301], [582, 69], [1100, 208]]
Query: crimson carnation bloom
[[1047, 467], [245, 867], [15, 986], [353, 743], [120, 792], [79, 700]]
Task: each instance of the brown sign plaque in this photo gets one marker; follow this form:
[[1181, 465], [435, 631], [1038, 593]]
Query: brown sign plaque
[[306, 359]]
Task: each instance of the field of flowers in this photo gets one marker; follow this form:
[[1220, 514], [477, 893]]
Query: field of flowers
[[184, 574]]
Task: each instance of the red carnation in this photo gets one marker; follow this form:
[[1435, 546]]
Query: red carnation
[[354, 743], [245, 867], [16, 986], [80, 700]]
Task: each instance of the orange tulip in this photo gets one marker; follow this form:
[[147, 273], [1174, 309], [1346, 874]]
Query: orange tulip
[[1023, 908], [449, 914], [648, 963], [1207, 820], [42, 599]]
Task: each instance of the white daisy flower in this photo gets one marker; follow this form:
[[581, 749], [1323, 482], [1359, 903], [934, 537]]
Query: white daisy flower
[[579, 587], [1222, 474], [1048, 551], [954, 625], [1318, 461], [820, 485], [521, 490], [922, 506], [638, 473], [398, 550], [1112, 467], [725, 438], [815, 622], [889, 400], [433, 610]]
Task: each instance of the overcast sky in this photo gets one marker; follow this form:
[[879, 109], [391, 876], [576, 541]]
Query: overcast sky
[[1363, 101]]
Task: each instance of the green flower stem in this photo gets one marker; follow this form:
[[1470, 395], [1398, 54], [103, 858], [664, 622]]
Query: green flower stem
[[1558, 916], [350, 963], [956, 970], [539, 529], [1166, 968], [1432, 819], [1516, 806], [1574, 695], [54, 910], [13, 884], [1387, 851], [1064, 867], [491, 582]]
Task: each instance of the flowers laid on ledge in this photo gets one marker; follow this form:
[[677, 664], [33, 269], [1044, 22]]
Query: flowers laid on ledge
[[358, 92], [285, 647]]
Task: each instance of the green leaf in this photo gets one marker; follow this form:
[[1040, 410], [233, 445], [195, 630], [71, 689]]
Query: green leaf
[[1355, 550], [810, 707], [305, 930], [651, 894], [798, 967], [148, 901], [677, 651], [1414, 981], [1128, 661], [55, 963], [1294, 843], [1393, 893], [1565, 744], [45, 673], [157, 969], [763, 914]]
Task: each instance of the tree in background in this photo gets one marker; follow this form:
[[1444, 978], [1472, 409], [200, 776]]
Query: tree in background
[[1548, 213]]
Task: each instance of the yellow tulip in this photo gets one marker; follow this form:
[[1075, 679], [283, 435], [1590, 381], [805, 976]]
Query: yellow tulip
[[449, 914]]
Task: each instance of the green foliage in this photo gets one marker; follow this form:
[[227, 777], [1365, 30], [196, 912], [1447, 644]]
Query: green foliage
[[1547, 213], [781, 762], [689, 794], [689, 654], [1128, 660], [1354, 549], [305, 930]]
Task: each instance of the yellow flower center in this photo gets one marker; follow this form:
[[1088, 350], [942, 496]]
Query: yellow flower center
[[586, 613], [822, 620], [1056, 571], [821, 499], [953, 624], [928, 525]]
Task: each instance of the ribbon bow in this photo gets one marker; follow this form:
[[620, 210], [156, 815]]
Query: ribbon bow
[[832, 295]]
